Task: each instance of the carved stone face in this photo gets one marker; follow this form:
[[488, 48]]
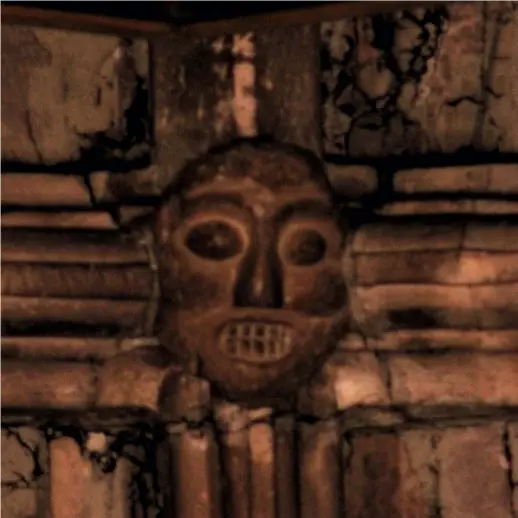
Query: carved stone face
[[251, 271]]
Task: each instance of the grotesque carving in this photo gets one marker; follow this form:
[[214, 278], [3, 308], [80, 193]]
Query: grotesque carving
[[250, 260]]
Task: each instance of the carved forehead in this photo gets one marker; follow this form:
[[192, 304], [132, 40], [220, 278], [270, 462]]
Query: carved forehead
[[271, 166]]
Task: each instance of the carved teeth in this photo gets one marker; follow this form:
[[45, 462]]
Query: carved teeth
[[256, 342]]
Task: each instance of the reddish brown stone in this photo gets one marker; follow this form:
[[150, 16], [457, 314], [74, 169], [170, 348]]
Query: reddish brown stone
[[48, 385], [473, 479], [380, 480], [134, 379], [454, 379], [69, 478], [262, 468], [22, 459], [20, 503]]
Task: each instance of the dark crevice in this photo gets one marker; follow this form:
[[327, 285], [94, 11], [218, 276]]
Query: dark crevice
[[465, 156], [508, 454], [436, 510]]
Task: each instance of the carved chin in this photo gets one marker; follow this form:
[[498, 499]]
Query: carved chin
[[250, 355]]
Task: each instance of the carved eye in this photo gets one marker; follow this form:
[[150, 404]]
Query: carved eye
[[215, 240], [306, 247]]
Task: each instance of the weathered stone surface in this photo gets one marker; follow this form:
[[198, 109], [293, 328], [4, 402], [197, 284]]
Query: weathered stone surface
[[347, 380], [63, 220], [352, 181], [59, 102], [188, 119], [195, 482], [512, 438], [391, 307], [320, 461], [20, 503], [418, 235], [493, 178], [436, 267], [48, 385], [262, 466], [287, 88], [425, 80], [409, 208], [44, 189], [100, 475], [23, 459], [454, 379], [389, 237], [387, 475], [69, 476], [473, 479], [430, 339], [134, 379]]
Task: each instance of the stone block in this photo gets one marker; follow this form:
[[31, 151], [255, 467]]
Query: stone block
[[473, 479]]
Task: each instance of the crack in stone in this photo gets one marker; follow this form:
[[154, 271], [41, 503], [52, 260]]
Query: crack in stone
[[380, 113], [508, 454], [34, 453], [32, 136], [435, 471]]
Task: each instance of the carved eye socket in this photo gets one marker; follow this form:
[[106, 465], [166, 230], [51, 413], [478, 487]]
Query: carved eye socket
[[306, 247], [215, 240]]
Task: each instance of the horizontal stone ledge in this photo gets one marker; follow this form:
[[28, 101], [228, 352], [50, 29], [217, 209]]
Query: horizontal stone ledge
[[393, 307], [428, 236], [395, 381], [490, 178], [434, 339], [38, 189], [454, 379], [451, 267], [125, 314], [95, 220], [44, 348], [423, 416], [413, 207], [350, 380], [37, 385], [77, 281], [352, 181], [58, 247]]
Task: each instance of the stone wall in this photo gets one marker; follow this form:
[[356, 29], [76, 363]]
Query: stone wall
[[421, 421], [428, 80], [68, 472]]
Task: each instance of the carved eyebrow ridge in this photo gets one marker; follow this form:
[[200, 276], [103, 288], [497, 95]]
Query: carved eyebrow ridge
[[217, 199]]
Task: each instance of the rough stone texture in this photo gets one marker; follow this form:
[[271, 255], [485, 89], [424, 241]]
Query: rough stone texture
[[24, 472], [23, 457], [493, 178], [512, 450], [454, 379], [96, 475], [20, 503], [389, 475], [48, 385], [61, 104], [352, 181], [473, 478], [423, 80], [457, 472]]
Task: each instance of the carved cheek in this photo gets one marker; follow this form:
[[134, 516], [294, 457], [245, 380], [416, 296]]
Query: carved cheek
[[203, 285], [316, 291]]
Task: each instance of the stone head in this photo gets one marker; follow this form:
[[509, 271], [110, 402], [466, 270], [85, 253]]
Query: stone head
[[250, 258]]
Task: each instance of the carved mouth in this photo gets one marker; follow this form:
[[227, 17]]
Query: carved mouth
[[256, 342]]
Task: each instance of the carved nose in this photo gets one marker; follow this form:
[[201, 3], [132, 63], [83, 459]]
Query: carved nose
[[259, 284]]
